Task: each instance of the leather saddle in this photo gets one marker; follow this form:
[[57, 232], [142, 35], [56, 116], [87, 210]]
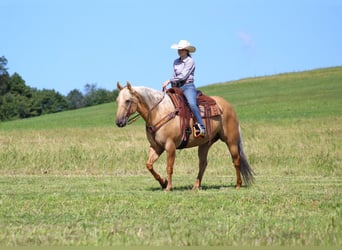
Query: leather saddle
[[207, 106]]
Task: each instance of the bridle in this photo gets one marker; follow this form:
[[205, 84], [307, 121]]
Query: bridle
[[128, 113], [151, 128], [137, 116]]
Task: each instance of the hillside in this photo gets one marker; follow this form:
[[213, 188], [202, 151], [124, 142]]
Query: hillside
[[315, 93], [75, 179], [312, 93]]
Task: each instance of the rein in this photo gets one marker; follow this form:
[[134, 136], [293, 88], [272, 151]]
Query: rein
[[133, 119]]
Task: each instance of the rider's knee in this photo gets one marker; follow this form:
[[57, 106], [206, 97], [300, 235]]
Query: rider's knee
[[193, 106]]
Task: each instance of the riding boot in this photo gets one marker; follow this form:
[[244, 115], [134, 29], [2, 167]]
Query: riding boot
[[199, 130]]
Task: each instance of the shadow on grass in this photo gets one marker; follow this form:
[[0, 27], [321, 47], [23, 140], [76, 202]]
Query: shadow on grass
[[203, 187]]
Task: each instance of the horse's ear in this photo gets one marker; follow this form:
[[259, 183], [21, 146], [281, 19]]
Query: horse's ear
[[129, 86], [119, 86]]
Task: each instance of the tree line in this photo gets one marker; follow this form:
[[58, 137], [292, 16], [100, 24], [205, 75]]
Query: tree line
[[18, 100]]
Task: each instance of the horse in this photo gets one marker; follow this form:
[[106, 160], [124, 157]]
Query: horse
[[153, 106]]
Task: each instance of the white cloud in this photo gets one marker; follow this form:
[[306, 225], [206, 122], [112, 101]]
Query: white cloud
[[246, 39]]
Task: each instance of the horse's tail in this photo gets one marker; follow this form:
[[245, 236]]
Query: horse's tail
[[245, 169]]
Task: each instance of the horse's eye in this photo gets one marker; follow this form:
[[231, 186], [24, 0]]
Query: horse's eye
[[128, 102]]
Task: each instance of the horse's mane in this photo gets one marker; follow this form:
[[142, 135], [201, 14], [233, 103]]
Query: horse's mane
[[150, 96]]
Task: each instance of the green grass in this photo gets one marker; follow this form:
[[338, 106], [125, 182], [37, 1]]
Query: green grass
[[130, 210], [74, 178], [96, 116]]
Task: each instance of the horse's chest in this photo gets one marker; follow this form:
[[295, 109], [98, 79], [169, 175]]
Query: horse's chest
[[165, 136]]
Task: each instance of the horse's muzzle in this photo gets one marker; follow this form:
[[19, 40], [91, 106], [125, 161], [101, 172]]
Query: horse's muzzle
[[121, 121]]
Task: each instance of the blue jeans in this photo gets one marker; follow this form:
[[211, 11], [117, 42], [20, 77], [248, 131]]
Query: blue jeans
[[190, 93]]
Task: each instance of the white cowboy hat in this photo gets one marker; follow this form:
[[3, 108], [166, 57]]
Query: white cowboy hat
[[184, 44]]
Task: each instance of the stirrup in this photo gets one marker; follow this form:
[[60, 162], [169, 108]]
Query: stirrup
[[198, 131]]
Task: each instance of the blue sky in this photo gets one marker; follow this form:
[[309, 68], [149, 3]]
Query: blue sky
[[65, 44]]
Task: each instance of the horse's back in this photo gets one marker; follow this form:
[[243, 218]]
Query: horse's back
[[226, 107]]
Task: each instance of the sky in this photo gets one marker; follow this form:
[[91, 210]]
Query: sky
[[66, 44]]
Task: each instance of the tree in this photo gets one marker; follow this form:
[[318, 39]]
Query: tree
[[95, 96], [17, 100], [3, 63], [114, 94], [51, 101], [75, 99], [8, 107], [4, 76], [18, 86], [90, 94]]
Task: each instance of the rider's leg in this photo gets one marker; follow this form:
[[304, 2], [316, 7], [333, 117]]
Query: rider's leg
[[190, 94]]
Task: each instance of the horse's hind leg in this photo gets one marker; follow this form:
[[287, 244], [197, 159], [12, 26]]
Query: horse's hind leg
[[153, 155], [234, 151], [202, 155]]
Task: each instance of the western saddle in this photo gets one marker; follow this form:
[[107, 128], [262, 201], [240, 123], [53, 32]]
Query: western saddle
[[208, 108]]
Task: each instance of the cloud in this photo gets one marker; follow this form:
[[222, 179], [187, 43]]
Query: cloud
[[246, 39]]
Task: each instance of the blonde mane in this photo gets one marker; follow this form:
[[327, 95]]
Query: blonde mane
[[152, 97]]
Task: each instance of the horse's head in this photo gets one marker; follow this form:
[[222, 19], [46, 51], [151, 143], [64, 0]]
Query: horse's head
[[127, 104]]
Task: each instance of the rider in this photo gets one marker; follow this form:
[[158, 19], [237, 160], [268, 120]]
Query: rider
[[183, 77]]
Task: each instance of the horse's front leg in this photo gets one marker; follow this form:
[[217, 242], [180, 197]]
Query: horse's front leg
[[153, 155]]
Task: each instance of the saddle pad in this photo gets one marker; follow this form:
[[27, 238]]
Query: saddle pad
[[210, 110]]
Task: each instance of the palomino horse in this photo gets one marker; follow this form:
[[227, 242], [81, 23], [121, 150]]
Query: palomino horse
[[154, 105]]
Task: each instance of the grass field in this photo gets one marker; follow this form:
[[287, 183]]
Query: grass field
[[73, 178]]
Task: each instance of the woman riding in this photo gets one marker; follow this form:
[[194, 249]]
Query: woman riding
[[183, 77]]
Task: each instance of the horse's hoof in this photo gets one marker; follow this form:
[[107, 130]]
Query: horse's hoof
[[197, 185], [164, 185]]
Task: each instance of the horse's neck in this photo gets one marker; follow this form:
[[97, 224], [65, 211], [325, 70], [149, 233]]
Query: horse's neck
[[149, 96], [155, 103]]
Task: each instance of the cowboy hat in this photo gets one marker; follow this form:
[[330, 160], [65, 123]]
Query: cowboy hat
[[184, 44]]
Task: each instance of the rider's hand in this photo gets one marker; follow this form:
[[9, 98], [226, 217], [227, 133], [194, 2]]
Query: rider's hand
[[165, 84]]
